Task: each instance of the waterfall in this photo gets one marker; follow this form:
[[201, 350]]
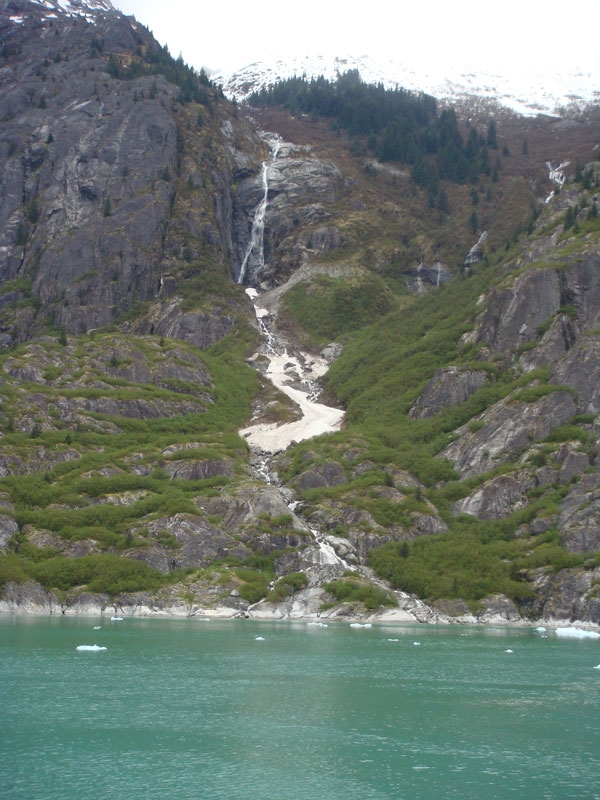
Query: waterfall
[[323, 553], [256, 246], [420, 285]]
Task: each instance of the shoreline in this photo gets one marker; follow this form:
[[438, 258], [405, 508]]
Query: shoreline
[[338, 616]]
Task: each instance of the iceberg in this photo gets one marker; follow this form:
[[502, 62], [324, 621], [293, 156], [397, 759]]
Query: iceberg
[[360, 625], [116, 619], [576, 633], [93, 647]]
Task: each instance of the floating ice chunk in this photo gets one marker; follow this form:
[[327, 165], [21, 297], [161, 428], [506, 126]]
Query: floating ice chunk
[[393, 640], [317, 624], [576, 633], [509, 651], [360, 625], [259, 638], [92, 647], [97, 627], [597, 666], [117, 619], [540, 629], [417, 644]]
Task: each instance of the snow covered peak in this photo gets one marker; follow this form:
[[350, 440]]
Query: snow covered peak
[[540, 90], [78, 8]]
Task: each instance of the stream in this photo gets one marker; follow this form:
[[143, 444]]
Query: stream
[[294, 373]]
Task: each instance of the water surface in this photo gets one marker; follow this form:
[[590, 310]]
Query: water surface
[[242, 709]]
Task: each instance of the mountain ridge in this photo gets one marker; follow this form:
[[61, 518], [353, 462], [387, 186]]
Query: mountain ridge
[[541, 91]]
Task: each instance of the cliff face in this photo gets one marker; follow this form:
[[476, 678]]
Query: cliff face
[[129, 189], [100, 156]]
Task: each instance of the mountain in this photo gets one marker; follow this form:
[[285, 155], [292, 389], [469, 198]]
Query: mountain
[[166, 251]]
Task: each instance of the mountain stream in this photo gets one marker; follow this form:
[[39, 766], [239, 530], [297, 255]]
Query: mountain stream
[[294, 373]]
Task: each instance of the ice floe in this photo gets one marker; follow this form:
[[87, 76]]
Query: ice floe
[[92, 647], [576, 633]]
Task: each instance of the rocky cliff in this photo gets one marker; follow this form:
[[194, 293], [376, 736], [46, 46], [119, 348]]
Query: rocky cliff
[[466, 475]]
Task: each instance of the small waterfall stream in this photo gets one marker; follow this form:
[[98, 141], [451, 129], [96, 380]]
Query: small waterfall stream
[[294, 374], [256, 245]]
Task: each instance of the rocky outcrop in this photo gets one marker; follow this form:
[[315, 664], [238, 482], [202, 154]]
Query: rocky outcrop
[[497, 497], [579, 522], [448, 387], [506, 429], [8, 528], [569, 595], [323, 475]]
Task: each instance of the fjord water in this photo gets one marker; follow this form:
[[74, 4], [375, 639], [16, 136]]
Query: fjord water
[[239, 709]]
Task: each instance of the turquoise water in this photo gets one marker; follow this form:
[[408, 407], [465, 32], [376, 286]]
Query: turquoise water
[[195, 709]]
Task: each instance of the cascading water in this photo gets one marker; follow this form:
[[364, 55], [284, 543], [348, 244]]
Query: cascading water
[[295, 375], [256, 245]]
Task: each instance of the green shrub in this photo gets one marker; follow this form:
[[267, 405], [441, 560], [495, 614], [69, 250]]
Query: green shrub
[[352, 590], [286, 586], [97, 573], [12, 569]]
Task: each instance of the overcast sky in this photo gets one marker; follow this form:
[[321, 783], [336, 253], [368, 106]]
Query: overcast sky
[[506, 36]]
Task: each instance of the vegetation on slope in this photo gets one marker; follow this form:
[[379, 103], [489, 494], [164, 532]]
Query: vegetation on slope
[[397, 125], [378, 379]]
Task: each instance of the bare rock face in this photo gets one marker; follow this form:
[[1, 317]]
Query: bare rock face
[[8, 528], [193, 542], [580, 369], [330, 474], [86, 167], [569, 595], [28, 598], [514, 313], [498, 497], [199, 470], [300, 189], [93, 147], [580, 516], [507, 428], [448, 387]]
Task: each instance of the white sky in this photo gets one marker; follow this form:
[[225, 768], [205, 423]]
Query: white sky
[[510, 36]]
